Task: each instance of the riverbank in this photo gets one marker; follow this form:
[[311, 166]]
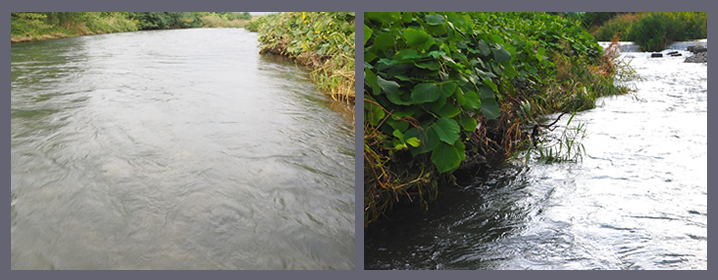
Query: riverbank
[[28, 27], [451, 95], [323, 42]]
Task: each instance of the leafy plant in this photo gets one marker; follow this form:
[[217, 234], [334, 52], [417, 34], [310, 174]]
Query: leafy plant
[[322, 41], [443, 88]]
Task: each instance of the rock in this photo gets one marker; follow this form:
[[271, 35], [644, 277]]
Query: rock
[[656, 55], [697, 49], [700, 49], [698, 58], [674, 54]]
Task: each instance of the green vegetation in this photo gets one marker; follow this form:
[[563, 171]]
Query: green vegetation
[[323, 42], [444, 91], [43, 26], [653, 31]]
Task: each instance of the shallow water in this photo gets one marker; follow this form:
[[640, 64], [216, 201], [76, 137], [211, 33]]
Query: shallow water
[[638, 200], [180, 149]]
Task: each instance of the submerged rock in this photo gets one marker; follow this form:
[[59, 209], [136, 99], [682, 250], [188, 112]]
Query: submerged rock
[[656, 55]]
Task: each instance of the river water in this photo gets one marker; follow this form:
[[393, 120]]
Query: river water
[[180, 149], [638, 200]]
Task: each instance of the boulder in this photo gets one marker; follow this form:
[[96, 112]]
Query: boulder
[[700, 49], [697, 49]]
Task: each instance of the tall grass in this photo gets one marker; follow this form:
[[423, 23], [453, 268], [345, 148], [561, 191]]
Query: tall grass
[[40, 26]]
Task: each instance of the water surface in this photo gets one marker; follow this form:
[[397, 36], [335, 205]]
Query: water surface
[[180, 149]]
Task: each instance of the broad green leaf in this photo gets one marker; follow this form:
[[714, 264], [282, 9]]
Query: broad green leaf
[[539, 53], [484, 48], [387, 86], [369, 57], [472, 100], [367, 34], [413, 141], [436, 54], [489, 107], [468, 123], [397, 133], [447, 129], [459, 96], [405, 54], [371, 79], [448, 89], [448, 111], [407, 17], [398, 98], [446, 157], [486, 92], [498, 39], [501, 55], [415, 37], [402, 78], [427, 137], [398, 124], [429, 65], [425, 92], [383, 41], [435, 19], [491, 85], [510, 71], [384, 17]]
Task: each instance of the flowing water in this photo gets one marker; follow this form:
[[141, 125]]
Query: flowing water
[[180, 149], [638, 200]]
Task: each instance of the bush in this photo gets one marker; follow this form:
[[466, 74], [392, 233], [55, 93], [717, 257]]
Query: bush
[[651, 32], [618, 26]]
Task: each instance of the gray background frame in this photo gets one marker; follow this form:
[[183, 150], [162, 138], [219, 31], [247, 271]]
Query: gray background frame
[[360, 6]]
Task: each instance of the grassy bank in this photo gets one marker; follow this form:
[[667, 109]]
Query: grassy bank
[[44, 26], [451, 95], [653, 31], [324, 42]]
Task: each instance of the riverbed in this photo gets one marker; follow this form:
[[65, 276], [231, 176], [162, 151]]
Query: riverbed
[[175, 149], [637, 200]]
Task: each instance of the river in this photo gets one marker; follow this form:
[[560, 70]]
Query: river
[[638, 200], [176, 149]]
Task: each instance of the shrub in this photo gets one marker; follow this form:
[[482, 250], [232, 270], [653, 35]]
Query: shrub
[[651, 32]]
